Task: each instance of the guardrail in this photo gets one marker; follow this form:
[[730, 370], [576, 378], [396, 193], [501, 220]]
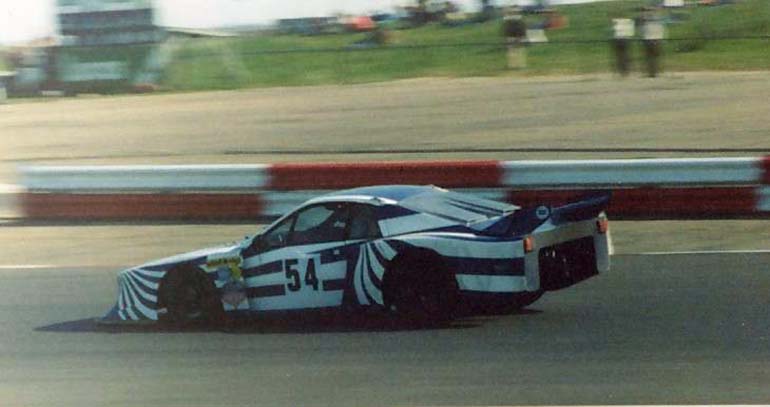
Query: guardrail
[[642, 188]]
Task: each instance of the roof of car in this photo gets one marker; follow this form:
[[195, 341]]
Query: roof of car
[[431, 200], [395, 193]]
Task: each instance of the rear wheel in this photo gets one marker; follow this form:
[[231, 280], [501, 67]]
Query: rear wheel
[[418, 289], [189, 296]]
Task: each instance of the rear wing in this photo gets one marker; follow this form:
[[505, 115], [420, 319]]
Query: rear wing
[[525, 220], [587, 207]]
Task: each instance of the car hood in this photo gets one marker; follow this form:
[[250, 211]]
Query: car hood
[[138, 286], [196, 257]]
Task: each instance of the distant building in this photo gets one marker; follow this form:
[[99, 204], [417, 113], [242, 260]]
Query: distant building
[[106, 44], [107, 22], [32, 65], [5, 79]]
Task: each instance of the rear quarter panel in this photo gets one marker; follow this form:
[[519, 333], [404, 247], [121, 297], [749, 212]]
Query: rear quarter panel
[[480, 263]]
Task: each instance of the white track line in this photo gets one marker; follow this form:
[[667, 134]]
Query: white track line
[[26, 266], [650, 405], [697, 252]]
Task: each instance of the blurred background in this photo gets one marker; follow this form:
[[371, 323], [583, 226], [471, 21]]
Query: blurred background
[[221, 82], [479, 79], [112, 46]]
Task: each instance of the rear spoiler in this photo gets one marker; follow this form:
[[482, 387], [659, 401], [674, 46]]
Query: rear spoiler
[[525, 220], [589, 206]]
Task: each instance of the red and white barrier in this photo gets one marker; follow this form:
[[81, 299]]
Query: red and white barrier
[[648, 188]]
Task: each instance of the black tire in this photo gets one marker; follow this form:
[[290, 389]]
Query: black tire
[[417, 289], [189, 296]]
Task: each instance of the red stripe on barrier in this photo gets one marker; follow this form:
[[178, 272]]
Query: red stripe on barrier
[[141, 206], [766, 170], [450, 174], [656, 203], [641, 203]]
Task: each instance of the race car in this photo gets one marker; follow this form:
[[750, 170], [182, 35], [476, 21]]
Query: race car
[[421, 253]]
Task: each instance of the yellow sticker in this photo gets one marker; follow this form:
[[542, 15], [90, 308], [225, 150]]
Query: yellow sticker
[[233, 263]]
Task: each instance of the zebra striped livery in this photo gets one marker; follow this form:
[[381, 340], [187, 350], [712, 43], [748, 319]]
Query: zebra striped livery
[[337, 250]]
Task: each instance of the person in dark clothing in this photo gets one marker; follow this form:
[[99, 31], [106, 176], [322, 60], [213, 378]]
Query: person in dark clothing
[[653, 33], [623, 33], [515, 32], [487, 11]]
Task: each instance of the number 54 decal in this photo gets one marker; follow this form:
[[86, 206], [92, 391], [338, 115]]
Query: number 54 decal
[[291, 268]]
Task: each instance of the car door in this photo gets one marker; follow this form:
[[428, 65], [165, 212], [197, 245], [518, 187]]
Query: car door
[[298, 263]]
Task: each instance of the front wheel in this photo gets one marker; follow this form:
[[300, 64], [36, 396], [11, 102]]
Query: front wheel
[[189, 296], [419, 290]]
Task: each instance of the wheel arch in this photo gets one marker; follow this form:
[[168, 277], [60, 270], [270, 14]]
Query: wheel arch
[[177, 276], [171, 276], [417, 266], [412, 255]]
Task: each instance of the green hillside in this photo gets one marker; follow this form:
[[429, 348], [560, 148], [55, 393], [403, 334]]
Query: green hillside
[[579, 48]]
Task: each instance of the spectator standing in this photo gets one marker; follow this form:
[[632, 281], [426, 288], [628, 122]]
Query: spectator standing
[[487, 11], [515, 32], [653, 33], [623, 33], [421, 15]]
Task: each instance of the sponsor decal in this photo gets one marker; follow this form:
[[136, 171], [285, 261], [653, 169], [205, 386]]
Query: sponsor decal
[[230, 275], [225, 266]]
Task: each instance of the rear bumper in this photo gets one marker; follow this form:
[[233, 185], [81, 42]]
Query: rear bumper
[[566, 264], [567, 255]]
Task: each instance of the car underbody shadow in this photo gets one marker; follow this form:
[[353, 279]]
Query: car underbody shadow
[[279, 324], [493, 313]]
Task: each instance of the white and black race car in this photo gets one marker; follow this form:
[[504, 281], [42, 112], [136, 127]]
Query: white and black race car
[[420, 252]]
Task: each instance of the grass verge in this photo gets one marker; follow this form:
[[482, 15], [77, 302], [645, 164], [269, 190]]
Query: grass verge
[[473, 50]]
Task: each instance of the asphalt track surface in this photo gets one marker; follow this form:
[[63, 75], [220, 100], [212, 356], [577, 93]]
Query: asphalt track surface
[[506, 118], [672, 329]]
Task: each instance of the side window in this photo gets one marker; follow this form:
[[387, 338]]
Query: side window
[[279, 235], [320, 223], [363, 223]]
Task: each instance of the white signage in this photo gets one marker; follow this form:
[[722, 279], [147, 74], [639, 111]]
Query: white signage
[[86, 6], [673, 3]]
